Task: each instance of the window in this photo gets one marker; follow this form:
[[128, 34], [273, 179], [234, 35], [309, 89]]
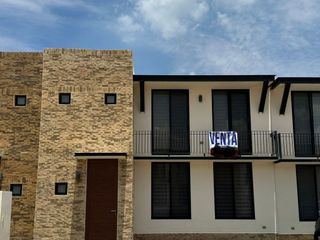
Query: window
[[16, 189], [64, 98], [231, 112], [170, 122], [110, 98], [20, 100], [308, 178], [233, 191], [171, 191], [306, 123], [61, 188]]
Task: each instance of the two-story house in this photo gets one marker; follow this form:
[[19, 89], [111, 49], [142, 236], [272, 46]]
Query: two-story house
[[91, 151]]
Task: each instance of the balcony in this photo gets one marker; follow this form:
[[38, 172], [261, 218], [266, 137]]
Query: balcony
[[195, 144], [295, 146]]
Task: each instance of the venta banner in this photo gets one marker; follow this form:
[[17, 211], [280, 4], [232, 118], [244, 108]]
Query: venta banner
[[223, 139]]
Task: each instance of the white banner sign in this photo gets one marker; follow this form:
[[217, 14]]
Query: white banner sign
[[223, 139]]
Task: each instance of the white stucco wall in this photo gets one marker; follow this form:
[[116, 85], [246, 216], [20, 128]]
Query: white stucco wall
[[201, 113], [202, 202], [287, 201], [5, 214]]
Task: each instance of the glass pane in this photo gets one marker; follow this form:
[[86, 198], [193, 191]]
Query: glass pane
[[21, 100], [302, 127], [316, 121], [111, 99], [16, 190], [64, 98], [220, 111], [179, 111], [240, 120], [62, 188], [161, 122]]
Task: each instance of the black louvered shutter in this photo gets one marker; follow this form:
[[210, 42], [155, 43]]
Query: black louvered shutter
[[307, 192], [233, 191], [223, 191], [180, 191], [171, 191], [243, 192], [160, 190]]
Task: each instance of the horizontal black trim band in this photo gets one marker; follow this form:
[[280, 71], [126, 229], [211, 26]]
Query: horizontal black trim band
[[295, 80], [200, 158], [203, 78], [100, 154], [297, 160]]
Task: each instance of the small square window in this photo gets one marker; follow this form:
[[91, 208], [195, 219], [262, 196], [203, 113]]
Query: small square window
[[16, 189], [64, 98], [20, 100], [61, 188], [110, 98]]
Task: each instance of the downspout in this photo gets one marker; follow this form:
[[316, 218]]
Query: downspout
[[275, 212]]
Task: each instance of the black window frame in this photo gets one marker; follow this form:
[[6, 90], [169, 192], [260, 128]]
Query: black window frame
[[106, 95], [317, 193], [170, 152], [252, 217], [56, 188], [229, 92], [295, 134], [61, 95], [16, 100], [16, 185], [188, 214]]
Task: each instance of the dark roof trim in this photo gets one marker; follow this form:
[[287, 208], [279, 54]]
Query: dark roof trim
[[100, 155], [284, 100], [203, 78], [201, 158], [263, 97], [295, 80], [142, 104]]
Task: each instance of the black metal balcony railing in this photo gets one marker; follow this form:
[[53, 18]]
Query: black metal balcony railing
[[196, 143], [298, 145]]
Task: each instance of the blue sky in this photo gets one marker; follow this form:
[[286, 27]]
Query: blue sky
[[175, 36]]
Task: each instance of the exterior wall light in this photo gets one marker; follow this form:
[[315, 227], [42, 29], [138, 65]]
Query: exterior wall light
[[78, 176]]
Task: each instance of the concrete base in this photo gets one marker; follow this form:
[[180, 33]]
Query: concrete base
[[199, 236]]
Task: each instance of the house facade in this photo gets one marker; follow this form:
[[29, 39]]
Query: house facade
[[91, 151]]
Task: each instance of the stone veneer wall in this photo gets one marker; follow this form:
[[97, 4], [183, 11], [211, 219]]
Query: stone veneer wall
[[20, 74], [217, 236], [86, 125]]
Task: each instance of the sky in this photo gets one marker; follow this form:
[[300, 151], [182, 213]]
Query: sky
[[279, 37]]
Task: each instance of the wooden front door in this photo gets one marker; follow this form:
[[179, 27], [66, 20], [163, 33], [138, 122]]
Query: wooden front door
[[101, 209]]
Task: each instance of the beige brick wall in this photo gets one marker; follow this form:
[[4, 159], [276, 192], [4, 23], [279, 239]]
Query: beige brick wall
[[86, 125], [20, 74]]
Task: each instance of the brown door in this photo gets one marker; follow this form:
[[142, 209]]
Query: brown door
[[102, 186]]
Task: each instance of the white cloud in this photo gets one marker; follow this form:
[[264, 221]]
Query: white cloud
[[40, 11], [167, 18], [126, 26]]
